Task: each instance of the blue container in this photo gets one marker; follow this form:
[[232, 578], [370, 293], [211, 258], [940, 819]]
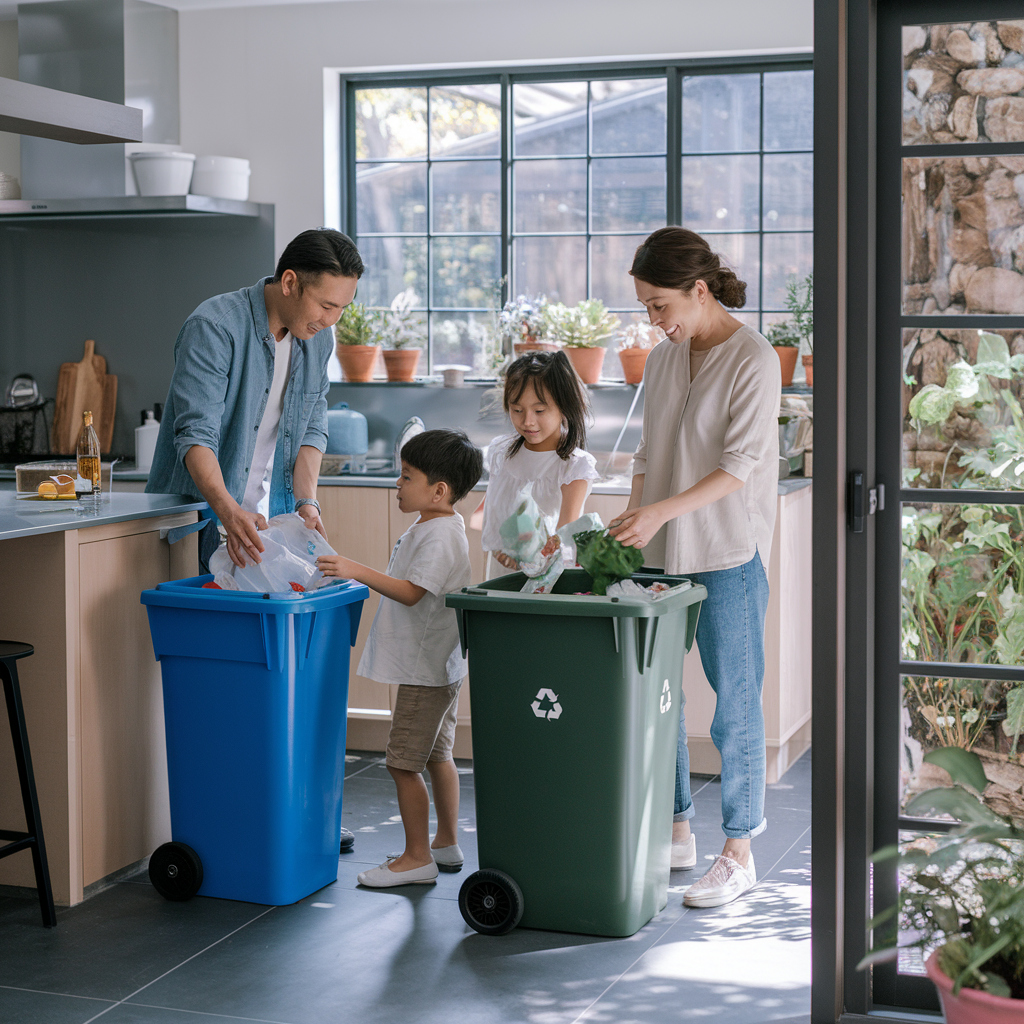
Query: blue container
[[255, 701]]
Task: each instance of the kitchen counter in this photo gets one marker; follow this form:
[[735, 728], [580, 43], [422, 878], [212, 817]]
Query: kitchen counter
[[28, 518]]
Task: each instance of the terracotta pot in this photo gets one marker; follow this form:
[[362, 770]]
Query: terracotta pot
[[633, 362], [401, 363], [971, 1006], [521, 348], [787, 357], [587, 362], [808, 362], [357, 361]]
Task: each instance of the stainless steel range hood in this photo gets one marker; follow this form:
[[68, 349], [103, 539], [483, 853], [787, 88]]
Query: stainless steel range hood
[[107, 52]]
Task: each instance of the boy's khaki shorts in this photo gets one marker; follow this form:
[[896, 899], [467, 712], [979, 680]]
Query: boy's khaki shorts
[[422, 726]]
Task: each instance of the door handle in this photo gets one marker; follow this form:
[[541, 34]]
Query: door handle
[[857, 496]]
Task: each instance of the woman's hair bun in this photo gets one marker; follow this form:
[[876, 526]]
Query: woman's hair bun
[[729, 289]]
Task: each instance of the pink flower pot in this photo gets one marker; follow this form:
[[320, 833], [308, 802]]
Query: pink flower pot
[[971, 1006]]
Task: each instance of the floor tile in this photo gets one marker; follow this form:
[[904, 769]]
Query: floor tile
[[133, 1013], [111, 944], [393, 956], [18, 1006]]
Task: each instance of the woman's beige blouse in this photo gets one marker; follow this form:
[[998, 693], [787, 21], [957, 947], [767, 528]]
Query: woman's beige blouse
[[725, 418]]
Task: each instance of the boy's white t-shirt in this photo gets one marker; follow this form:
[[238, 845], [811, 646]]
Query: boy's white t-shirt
[[547, 471], [419, 645], [257, 488]]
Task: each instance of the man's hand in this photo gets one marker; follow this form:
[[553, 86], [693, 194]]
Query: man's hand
[[635, 528], [312, 519], [243, 535]]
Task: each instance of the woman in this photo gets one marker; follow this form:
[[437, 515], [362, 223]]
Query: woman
[[703, 505]]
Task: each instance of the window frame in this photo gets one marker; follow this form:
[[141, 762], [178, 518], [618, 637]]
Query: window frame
[[506, 76]]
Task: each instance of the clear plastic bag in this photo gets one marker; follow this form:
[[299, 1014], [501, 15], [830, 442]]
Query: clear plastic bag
[[524, 535], [288, 562]]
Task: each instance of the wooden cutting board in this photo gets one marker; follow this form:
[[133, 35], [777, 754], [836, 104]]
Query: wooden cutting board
[[81, 386]]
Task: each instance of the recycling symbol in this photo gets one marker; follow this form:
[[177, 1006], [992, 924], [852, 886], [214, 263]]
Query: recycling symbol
[[666, 698], [548, 696]]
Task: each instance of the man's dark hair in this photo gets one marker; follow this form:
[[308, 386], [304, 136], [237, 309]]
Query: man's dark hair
[[320, 251], [446, 455]]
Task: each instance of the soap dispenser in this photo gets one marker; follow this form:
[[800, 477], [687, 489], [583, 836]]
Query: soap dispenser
[[145, 441]]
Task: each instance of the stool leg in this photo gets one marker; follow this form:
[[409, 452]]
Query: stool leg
[[19, 738]]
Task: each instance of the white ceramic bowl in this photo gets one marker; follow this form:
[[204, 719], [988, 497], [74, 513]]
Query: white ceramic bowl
[[162, 174], [224, 177]]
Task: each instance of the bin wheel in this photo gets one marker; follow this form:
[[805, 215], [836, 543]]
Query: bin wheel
[[176, 871], [491, 902]]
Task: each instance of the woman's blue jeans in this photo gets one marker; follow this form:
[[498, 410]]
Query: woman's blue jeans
[[730, 635]]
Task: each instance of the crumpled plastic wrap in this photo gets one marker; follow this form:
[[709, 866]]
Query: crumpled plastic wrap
[[524, 536], [632, 589], [288, 561]]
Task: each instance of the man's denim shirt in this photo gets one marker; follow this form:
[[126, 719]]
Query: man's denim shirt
[[223, 370]]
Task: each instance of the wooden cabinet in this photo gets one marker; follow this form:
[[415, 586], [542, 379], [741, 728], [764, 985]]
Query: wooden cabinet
[[92, 695]]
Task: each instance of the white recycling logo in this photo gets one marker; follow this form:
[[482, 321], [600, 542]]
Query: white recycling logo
[[666, 698], [549, 696]]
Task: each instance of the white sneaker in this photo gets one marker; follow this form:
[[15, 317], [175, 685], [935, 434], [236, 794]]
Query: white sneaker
[[382, 877], [722, 883], [448, 858], [684, 854]]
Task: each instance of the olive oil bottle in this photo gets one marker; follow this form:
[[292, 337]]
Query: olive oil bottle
[[87, 486]]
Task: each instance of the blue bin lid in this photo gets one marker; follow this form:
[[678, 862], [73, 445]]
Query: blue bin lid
[[190, 593]]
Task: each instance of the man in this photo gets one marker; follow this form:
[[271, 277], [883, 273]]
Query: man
[[245, 423]]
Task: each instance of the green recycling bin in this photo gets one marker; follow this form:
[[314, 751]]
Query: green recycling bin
[[575, 721]]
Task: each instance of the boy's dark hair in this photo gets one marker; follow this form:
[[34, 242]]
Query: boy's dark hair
[[551, 373], [320, 251], [446, 455]]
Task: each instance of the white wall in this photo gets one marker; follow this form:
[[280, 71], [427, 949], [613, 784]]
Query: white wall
[[252, 77]]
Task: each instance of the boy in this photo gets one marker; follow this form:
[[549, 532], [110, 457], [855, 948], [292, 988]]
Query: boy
[[414, 642]]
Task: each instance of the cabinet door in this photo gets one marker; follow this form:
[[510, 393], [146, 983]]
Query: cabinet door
[[356, 520]]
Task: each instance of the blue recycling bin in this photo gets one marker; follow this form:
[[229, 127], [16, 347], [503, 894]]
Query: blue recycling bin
[[255, 702]]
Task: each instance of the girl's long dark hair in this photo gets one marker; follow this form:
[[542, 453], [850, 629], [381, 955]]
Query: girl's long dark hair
[[553, 375]]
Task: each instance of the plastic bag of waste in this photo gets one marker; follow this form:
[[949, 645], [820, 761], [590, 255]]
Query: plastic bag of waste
[[287, 564], [524, 537]]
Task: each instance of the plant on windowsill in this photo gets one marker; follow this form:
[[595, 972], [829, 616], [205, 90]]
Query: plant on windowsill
[[403, 337], [358, 338], [635, 344], [961, 899], [521, 324], [796, 335], [582, 331]]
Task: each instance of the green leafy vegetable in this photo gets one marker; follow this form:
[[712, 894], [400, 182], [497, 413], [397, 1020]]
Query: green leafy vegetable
[[605, 558]]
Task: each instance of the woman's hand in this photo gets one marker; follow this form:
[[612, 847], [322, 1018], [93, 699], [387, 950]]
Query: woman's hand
[[502, 559], [635, 528]]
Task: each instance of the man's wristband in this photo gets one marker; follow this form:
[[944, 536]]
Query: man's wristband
[[307, 501]]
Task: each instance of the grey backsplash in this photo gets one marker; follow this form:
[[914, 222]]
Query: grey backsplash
[[476, 408]]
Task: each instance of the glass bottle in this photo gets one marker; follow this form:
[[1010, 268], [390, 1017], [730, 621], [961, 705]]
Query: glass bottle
[[87, 486]]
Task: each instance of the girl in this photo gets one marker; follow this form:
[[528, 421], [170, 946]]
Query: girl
[[546, 402], [702, 505]]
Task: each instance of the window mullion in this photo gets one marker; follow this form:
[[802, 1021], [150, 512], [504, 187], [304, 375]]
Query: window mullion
[[507, 121], [674, 145]]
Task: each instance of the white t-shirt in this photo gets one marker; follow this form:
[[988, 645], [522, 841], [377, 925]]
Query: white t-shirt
[[257, 488], [419, 645], [547, 471]]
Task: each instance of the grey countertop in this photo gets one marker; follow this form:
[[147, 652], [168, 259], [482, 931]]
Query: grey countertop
[[26, 518]]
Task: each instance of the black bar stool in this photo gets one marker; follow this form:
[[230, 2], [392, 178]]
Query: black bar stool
[[10, 652]]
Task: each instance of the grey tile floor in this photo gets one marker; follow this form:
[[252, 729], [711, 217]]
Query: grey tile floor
[[405, 956]]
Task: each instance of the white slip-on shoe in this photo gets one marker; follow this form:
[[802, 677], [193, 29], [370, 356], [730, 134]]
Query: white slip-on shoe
[[382, 877], [722, 883], [448, 858], [684, 854]]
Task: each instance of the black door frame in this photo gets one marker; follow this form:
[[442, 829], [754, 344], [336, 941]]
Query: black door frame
[[857, 295]]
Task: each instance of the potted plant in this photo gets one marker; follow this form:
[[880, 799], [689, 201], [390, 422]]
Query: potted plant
[[636, 343], [797, 332], [784, 339], [402, 337], [358, 335], [521, 324], [582, 331], [962, 898]]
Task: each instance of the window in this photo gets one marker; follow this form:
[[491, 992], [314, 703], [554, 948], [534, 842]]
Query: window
[[468, 189]]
